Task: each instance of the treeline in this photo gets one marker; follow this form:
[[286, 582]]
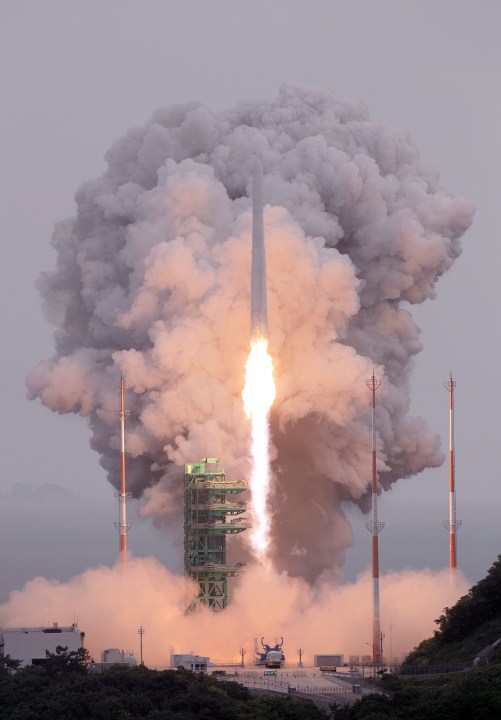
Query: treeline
[[64, 689], [482, 603], [475, 695], [464, 629], [462, 632]]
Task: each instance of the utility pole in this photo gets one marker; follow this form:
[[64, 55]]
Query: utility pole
[[141, 633], [122, 496], [452, 524], [375, 527]]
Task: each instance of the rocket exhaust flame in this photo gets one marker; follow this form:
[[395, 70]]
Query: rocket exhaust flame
[[259, 391], [258, 396]]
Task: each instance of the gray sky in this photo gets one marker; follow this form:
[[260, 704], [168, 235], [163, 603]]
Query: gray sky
[[75, 75]]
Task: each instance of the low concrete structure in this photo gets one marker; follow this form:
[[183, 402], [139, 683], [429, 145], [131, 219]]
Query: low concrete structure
[[113, 656], [30, 644], [195, 663], [333, 660]]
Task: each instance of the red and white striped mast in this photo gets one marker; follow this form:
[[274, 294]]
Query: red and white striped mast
[[375, 528], [452, 524], [122, 496]]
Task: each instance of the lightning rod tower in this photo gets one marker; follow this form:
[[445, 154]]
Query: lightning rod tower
[[452, 524], [375, 527], [122, 496]]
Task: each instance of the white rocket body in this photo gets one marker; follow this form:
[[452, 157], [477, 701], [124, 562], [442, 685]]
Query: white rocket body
[[259, 306]]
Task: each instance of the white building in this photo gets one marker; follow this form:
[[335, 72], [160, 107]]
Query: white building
[[113, 656], [195, 663], [29, 644]]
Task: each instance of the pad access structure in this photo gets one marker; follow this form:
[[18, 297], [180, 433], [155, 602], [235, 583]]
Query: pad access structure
[[211, 513]]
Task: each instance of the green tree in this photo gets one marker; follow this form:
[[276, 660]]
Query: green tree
[[8, 664], [66, 662]]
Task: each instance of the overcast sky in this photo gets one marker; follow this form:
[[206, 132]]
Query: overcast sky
[[76, 75]]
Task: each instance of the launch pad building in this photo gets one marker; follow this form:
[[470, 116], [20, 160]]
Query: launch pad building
[[211, 513], [30, 644]]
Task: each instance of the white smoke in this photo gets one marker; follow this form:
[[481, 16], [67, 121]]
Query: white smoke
[[110, 610], [153, 281]]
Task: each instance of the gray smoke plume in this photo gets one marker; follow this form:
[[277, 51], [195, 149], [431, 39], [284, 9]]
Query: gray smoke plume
[[153, 281]]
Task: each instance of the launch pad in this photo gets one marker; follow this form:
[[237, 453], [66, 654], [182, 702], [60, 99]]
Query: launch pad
[[209, 517]]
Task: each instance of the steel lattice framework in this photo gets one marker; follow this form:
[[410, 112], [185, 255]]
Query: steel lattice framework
[[211, 513]]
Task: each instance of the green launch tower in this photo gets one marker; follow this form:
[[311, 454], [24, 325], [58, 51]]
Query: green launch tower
[[211, 513]]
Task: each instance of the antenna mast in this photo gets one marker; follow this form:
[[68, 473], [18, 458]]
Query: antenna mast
[[452, 524], [122, 496], [375, 528]]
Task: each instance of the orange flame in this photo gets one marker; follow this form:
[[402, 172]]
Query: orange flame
[[258, 396]]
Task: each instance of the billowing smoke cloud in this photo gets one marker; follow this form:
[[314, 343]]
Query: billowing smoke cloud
[[284, 606], [153, 281]]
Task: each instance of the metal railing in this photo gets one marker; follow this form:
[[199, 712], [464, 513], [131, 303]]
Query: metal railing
[[284, 686]]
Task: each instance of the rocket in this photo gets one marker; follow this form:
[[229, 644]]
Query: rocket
[[259, 306]]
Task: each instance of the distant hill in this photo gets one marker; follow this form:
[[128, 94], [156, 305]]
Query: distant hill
[[464, 633], [467, 628], [47, 492]]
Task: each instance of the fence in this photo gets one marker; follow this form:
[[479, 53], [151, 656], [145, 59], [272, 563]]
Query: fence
[[284, 686]]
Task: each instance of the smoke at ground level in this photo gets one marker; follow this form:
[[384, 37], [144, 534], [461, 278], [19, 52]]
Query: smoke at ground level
[[110, 608]]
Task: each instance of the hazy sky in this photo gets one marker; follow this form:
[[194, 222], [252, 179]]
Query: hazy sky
[[76, 75]]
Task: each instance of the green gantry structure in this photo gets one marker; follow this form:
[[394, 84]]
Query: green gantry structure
[[211, 513]]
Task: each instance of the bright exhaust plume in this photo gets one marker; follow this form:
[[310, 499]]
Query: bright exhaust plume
[[258, 396]]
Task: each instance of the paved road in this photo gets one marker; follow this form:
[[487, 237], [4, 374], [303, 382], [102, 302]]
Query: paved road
[[323, 688]]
